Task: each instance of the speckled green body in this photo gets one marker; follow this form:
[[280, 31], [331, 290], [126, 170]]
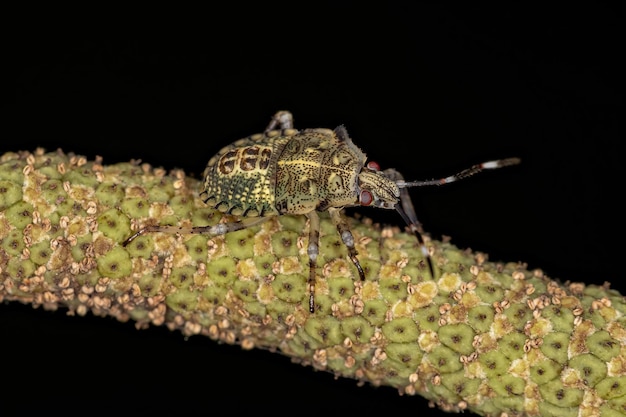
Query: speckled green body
[[492, 338], [284, 172]]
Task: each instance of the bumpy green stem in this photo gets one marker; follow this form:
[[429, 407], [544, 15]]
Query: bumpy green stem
[[492, 338]]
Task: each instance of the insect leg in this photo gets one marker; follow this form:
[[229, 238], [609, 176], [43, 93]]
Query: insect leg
[[283, 119], [218, 229], [346, 236], [410, 217], [313, 251]]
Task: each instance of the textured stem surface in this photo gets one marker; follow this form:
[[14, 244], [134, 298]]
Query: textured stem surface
[[492, 338]]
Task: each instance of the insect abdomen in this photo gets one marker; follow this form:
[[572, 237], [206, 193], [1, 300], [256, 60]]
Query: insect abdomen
[[240, 178]]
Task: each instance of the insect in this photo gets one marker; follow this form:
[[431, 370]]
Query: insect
[[287, 171]]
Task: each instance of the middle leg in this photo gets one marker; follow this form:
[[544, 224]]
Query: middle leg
[[346, 237]]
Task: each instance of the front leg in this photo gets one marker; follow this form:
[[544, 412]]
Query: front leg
[[346, 237], [410, 217]]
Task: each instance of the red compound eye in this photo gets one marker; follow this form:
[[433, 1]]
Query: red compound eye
[[366, 198], [373, 166]]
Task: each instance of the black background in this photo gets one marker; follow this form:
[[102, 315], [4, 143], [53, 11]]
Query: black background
[[428, 89]]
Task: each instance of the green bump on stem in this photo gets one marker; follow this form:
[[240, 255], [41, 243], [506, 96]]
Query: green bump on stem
[[562, 318], [603, 345], [256, 309], [84, 177], [69, 207], [414, 269], [617, 405], [458, 337], [285, 243], [90, 278], [205, 216], [143, 247], [395, 372], [114, 225], [182, 205], [110, 194], [326, 330], [246, 289], [489, 293], [456, 258], [40, 252], [52, 191], [374, 312], [512, 345], [168, 220], [182, 277], [241, 243], [279, 310], [590, 368], [611, 387], [83, 243], [20, 269], [115, 263], [597, 319], [136, 207], [518, 315], [10, 193], [507, 385], [129, 170], [12, 170], [551, 410], [150, 284], [13, 243], [401, 330], [445, 360], [371, 267], [607, 411], [48, 169], [323, 303], [392, 290], [555, 346], [480, 317], [332, 247], [20, 214], [197, 248], [182, 301], [292, 223], [544, 371], [291, 288], [340, 288], [264, 264], [557, 393], [222, 271], [214, 294], [358, 330], [303, 342], [460, 384], [160, 191], [427, 318], [405, 354], [509, 405], [493, 363]]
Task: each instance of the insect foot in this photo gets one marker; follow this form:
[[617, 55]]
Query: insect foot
[[284, 171]]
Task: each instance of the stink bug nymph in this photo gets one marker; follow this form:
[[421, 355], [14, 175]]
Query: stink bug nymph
[[288, 171]]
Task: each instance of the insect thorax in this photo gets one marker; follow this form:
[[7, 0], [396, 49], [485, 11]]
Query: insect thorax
[[284, 172], [317, 169]]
